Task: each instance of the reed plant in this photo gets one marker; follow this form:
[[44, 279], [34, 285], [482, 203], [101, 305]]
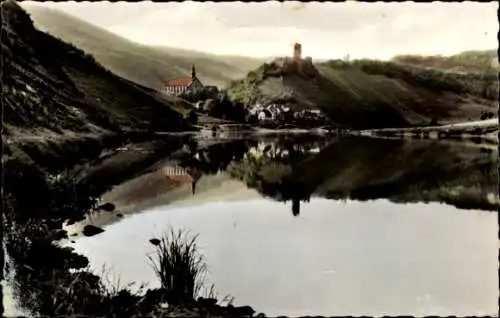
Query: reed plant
[[179, 265]]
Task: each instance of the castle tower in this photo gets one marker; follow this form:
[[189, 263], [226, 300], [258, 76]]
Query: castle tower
[[297, 52], [193, 72]]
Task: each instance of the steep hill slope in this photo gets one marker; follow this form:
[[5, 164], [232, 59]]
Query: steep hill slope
[[146, 65], [51, 86], [371, 94]]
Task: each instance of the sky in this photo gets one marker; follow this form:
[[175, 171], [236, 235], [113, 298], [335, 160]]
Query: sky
[[325, 30]]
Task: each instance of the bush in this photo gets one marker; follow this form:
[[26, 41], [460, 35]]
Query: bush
[[488, 115]]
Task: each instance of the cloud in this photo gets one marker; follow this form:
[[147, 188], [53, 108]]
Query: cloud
[[326, 30]]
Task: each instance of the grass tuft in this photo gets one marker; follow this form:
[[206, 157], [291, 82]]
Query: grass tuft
[[179, 266]]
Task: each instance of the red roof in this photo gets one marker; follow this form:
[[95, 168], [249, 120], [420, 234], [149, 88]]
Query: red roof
[[183, 81], [181, 178]]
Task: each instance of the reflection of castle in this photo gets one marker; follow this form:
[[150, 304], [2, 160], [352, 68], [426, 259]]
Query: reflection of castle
[[295, 207], [182, 176]]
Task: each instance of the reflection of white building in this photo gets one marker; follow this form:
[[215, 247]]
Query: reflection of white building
[[259, 150], [178, 174], [269, 112], [271, 149]]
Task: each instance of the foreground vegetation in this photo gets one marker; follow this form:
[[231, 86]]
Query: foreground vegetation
[[178, 265], [54, 281]]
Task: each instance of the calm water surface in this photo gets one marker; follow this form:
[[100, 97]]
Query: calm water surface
[[323, 229]]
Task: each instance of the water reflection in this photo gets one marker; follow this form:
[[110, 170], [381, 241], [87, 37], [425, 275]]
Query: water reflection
[[362, 239], [295, 169], [418, 171], [354, 258]]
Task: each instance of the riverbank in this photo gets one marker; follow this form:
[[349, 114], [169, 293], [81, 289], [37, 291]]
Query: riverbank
[[485, 129]]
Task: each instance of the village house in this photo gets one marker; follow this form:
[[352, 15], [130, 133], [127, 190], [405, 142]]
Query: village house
[[316, 113], [265, 114], [189, 84], [268, 112]]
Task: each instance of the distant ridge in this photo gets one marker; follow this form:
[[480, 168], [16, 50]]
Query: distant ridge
[[145, 65]]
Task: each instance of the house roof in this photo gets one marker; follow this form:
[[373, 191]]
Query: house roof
[[183, 82], [181, 178]]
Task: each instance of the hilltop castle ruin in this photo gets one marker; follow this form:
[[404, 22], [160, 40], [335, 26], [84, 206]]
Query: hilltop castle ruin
[[297, 51], [296, 62]]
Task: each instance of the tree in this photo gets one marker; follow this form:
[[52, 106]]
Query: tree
[[487, 115]]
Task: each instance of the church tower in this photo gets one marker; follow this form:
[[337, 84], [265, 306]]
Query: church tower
[[193, 72]]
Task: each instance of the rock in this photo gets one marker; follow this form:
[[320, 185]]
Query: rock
[[108, 207], [54, 224], [152, 298], [208, 302], [164, 305], [155, 241], [91, 230], [120, 215], [59, 235], [73, 241], [75, 219], [244, 311]]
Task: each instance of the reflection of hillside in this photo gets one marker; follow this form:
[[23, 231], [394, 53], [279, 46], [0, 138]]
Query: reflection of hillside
[[371, 169], [197, 175], [155, 189], [218, 157]]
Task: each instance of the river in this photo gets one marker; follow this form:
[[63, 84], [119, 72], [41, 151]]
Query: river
[[310, 226]]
